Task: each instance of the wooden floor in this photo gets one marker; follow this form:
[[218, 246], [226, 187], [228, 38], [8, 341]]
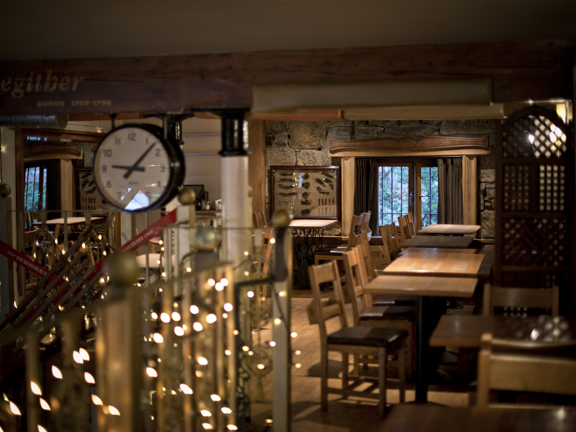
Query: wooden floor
[[342, 415]]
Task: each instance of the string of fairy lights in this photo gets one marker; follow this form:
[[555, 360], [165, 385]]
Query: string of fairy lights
[[203, 317]]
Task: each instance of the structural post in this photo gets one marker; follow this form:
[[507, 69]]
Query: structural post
[[281, 318], [6, 274]]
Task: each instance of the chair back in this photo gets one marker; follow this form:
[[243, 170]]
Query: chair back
[[365, 227], [356, 279], [355, 229], [259, 220], [364, 244], [519, 301], [411, 225], [327, 273], [525, 366], [405, 227]]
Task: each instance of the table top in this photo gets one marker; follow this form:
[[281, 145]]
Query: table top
[[447, 229], [72, 220], [422, 285], [433, 418], [436, 264], [466, 330], [311, 223], [413, 250], [438, 242]]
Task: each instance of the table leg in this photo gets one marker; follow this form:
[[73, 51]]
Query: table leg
[[421, 344]]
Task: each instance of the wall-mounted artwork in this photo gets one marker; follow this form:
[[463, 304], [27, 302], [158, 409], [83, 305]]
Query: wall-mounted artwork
[[87, 196], [306, 192]]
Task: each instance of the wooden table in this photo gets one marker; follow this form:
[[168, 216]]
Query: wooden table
[[436, 264], [422, 286], [434, 418], [467, 330], [438, 242], [449, 229], [307, 237], [413, 250]]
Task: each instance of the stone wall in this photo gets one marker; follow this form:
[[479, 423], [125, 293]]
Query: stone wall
[[306, 144]]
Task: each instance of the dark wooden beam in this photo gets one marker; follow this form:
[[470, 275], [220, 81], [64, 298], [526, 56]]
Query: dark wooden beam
[[520, 71]]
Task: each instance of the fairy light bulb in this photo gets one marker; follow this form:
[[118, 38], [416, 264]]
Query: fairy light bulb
[[207, 426], [272, 240], [41, 429], [84, 354], [293, 334], [77, 357], [164, 317], [158, 338], [113, 410], [176, 316], [186, 389], [224, 282], [211, 282], [178, 331], [35, 388], [197, 326], [226, 410], [194, 309], [206, 413], [89, 378], [272, 344], [202, 361], [218, 286], [215, 398], [228, 307], [56, 372], [151, 372], [44, 405], [14, 409], [154, 316], [250, 294], [232, 427], [96, 400], [211, 318]]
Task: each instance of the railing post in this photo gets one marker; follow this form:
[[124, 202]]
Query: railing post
[[118, 345], [6, 237], [281, 319]]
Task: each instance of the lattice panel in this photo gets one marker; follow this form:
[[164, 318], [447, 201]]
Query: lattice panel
[[552, 180], [534, 242], [534, 136], [516, 188], [530, 279]]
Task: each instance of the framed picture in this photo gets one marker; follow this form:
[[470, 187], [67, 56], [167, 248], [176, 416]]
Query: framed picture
[[87, 196], [306, 192]]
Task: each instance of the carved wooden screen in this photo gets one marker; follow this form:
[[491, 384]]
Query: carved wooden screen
[[535, 178]]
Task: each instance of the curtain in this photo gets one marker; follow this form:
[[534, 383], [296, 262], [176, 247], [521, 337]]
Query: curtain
[[450, 206], [366, 191]]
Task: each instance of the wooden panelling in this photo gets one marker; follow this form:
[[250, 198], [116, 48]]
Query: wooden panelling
[[519, 70], [348, 187], [407, 146], [470, 190], [257, 165]]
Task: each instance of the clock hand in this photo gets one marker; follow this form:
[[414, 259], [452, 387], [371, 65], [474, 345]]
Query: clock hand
[[126, 167], [140, 159]]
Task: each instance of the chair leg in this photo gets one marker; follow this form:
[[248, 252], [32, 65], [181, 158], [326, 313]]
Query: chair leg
[[402, 372], [324, 380], [345, 373], [382, 364]]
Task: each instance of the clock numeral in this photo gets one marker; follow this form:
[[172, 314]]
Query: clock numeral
[[132, 136], [107, 152], [162, 168], [108, 184], [117, 140], [104, 168], [158, 151]]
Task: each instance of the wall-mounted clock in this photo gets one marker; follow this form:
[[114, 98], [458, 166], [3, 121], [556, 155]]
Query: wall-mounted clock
[[136, 169]]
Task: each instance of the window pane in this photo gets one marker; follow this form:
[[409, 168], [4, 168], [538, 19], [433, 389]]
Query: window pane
[[393, 193], [429, 195]]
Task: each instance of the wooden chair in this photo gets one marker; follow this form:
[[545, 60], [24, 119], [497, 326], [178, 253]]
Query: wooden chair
[[411, 225], [406, 228], [347, 340], [330, 253], [521, 300], [365, 223], [525, 366], [366, 313], [259, 220], [392, 235]]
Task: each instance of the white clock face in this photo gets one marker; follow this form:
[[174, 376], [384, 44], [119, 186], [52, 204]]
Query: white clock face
[[132, 168]]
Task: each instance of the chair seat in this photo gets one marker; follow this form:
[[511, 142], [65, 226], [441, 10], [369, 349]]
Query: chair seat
[[366, 336], [388, 312], [393, 300]]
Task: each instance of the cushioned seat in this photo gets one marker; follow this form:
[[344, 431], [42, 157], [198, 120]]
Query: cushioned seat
[[388, 312], [366, 336], [391, 300]]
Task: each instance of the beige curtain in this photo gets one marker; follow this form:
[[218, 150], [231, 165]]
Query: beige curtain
[[450, 191]]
